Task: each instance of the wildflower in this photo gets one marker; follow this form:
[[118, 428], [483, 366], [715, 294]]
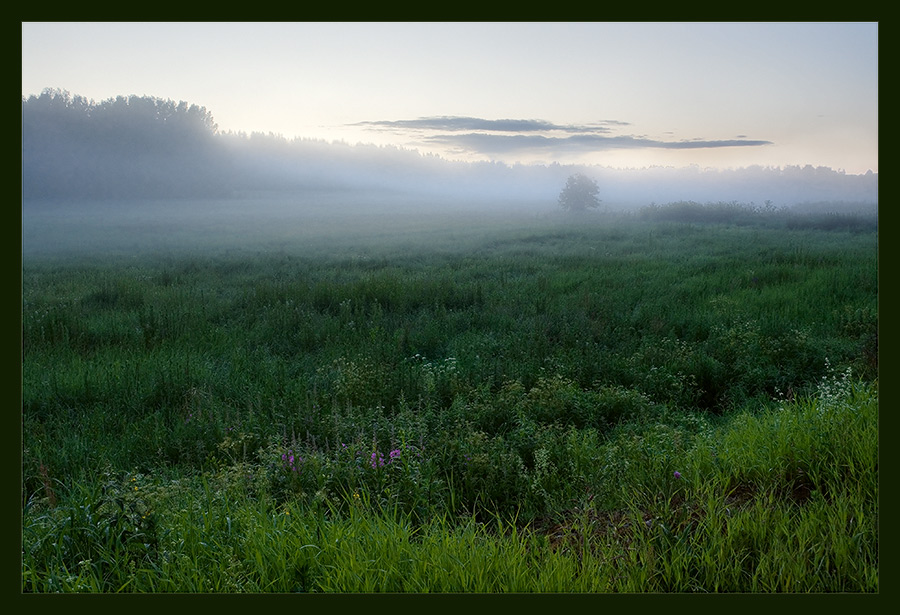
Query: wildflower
[[395, 454], [377, 460], [677, 474]]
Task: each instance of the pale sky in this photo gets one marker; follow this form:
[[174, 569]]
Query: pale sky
[[623, 95]]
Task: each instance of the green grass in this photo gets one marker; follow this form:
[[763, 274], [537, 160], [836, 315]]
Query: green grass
[[474, 406], [779, 501]]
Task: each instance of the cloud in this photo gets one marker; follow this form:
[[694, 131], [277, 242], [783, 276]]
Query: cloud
[[505, 144], [512, 136], [457, 123]]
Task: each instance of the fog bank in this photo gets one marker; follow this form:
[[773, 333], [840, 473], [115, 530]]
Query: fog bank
[[144, 147]]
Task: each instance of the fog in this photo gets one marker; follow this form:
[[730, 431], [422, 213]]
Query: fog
[[273, 163], [109, 172]]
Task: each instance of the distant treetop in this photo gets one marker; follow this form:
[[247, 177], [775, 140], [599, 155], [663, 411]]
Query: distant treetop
[[580, 194], [127, 146]]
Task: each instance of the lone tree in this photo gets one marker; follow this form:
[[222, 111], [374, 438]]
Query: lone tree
[[580, 194]]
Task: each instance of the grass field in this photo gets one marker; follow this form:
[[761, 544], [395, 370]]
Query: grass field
[[466, 402]]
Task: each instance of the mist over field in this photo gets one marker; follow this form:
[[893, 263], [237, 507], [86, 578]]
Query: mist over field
[[134, 170]]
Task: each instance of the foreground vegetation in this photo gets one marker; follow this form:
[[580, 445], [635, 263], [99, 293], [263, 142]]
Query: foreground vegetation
[[634, 406]]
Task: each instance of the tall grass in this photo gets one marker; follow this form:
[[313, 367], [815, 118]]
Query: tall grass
[[506, 414], [780, 500]]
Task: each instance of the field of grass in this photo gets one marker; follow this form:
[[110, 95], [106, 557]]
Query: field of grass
[[449, 404]]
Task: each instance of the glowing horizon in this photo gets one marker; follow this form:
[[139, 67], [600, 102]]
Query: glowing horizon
[[613, 94]]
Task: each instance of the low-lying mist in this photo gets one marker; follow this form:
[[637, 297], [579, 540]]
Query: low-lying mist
[[138, 173], [360, 222], [314, 221]]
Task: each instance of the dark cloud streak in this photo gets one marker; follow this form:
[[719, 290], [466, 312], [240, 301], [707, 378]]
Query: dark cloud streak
[[456, 123], [504, 144], [509, 136]]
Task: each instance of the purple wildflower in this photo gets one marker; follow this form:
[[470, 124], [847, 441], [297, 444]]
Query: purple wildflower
[[377, 460], [677, 474], [291, 462]]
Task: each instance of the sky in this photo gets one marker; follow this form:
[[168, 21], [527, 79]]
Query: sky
[[620, 95]]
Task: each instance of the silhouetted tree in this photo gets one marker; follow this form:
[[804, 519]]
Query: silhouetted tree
[[580, 194]]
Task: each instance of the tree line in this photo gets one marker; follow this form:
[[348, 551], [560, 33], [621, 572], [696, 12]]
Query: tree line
[[146, 147], [127, 146]]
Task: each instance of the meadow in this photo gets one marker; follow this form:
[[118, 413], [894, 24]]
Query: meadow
[[678, 399]]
